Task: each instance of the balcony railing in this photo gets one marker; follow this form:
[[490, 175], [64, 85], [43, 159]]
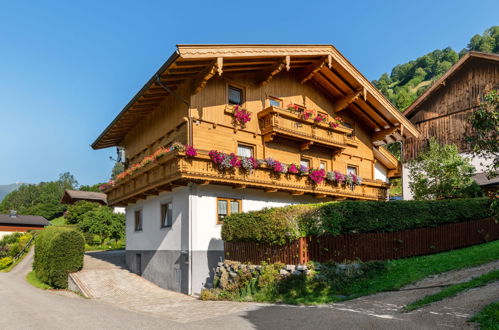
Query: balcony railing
[[275, 121], [177, 169]]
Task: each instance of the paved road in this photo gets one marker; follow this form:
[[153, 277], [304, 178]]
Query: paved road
[[25, 307]]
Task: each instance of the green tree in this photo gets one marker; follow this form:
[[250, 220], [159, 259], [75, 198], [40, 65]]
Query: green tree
[[40, 199], [77, 211], [117, 169], [94, 188], [484, 138], [103, 222], [440, 172]]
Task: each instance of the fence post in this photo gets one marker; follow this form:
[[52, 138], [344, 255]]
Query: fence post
[[302, 250]]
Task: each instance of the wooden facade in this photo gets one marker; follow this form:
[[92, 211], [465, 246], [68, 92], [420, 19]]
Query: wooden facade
[[187, 101], [443, 111]]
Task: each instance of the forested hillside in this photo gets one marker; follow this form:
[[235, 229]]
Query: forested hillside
[[407, 81]]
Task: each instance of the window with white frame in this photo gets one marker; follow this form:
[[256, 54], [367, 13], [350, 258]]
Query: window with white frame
[[352, 169]]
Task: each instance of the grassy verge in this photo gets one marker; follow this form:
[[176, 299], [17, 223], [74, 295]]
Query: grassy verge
[[106, 247], [58, 221], [34, 281], [455, 289], [488, 318], [395, 274]]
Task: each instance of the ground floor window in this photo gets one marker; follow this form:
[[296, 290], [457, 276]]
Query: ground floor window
[[138, 220], [227, 206], [166, 215]]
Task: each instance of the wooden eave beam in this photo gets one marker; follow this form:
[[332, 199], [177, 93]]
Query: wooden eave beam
[[274, 70], [342, 103], [381, 135], [271, 190], [202, 78], [309, 72]]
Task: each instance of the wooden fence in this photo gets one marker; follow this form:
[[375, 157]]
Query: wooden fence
[[368, 246]]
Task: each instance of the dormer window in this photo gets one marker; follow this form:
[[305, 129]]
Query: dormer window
[[235, 95]]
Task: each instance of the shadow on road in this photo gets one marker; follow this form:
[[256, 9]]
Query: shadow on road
[[115, 257]]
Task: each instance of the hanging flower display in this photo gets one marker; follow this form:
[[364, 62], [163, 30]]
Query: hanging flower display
[[276, 166], [307, 114], [336, 121], [249, 164], [293, 169], [223, 161], [303, 170], [241, 115], [335, 177], [190, 151], [320, 118], [317, 176], [293, 107]]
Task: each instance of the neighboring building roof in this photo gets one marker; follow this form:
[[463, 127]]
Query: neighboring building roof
[[482, 180], [467, 58], [317, 63], [26, 220], [73, 196]]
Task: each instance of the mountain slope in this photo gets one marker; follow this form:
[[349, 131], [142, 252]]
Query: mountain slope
[[5, 189], [407, 81]]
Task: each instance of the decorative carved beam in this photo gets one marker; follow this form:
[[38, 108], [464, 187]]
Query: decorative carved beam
[[383, 133], [204, 183], [240, 186], [268, 137], [270, 190], [306, 145], [315, 67], [342, 103], [202, 78], [320, 195], [297, 193], [269, 74]]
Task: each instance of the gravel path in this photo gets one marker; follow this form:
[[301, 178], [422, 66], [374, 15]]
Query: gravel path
[[127, 301]]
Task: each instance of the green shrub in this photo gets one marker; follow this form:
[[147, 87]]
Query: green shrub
[[58, 251], [5, 262], [77, 211], [280, 225]]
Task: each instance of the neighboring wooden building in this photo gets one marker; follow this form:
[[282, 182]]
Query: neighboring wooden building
[[72, 196], [13, 223], [175, 204], [443, 111]]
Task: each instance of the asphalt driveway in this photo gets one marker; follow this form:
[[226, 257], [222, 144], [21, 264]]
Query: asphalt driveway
[[127, 301]]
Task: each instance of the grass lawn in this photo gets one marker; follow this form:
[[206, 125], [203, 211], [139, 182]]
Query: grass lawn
[[455, 289], [58, 221], [33, 280], [106, 247], [488, 318], [397, 274]]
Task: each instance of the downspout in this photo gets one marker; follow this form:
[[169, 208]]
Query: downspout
[[189, 290]]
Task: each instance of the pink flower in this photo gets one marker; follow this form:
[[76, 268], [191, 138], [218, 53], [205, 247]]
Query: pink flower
[[293, 169], [190, 151], [317, 176]]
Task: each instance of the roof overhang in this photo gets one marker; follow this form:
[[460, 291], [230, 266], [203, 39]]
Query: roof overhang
[[441, 82], [322, 65]]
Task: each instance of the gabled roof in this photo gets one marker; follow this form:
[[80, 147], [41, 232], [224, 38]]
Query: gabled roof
[[465, 60], [322, 65], [72, 196], [482, 179], [26, 220]]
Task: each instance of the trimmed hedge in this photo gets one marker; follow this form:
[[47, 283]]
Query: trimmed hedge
[[280, 225], [58, 251]]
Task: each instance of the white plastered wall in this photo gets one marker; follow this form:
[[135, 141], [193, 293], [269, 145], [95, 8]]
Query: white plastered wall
[[380, 172]]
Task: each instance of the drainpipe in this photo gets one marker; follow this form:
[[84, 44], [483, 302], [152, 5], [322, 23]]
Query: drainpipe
[[189, 290]]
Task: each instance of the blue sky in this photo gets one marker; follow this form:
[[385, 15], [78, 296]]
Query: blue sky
[[67, 67]]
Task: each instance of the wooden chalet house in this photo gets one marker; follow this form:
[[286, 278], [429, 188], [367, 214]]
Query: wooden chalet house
[[221, 129], [443, 111]]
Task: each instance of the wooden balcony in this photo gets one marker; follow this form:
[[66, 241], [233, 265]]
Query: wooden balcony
[[176, 169], [279, 122]]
